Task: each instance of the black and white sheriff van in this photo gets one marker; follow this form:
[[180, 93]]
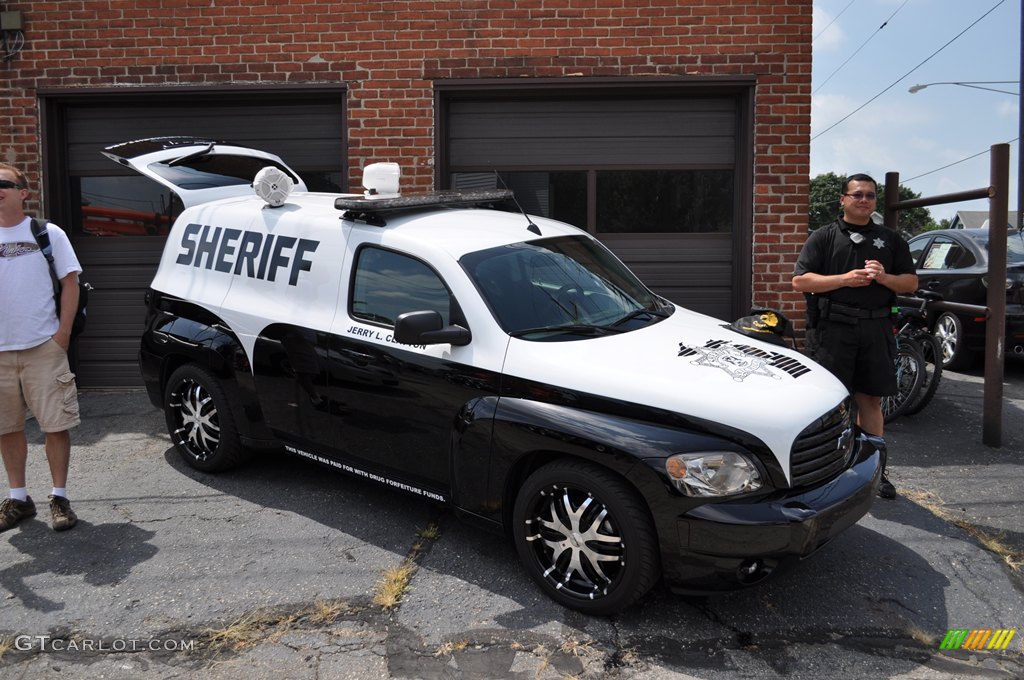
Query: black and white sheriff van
[[509, 367]]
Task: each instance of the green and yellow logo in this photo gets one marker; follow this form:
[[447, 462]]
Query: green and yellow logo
[[978, 638]]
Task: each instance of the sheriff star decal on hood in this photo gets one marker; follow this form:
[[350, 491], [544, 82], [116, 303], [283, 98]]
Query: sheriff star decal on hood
[[740, 360]]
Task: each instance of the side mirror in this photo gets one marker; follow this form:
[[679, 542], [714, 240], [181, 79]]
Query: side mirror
[[427, 328]]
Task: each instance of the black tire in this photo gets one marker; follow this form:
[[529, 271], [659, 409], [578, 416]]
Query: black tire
[[950, 332], [931, 348], [199, 420], [910, 369], [585, 537]]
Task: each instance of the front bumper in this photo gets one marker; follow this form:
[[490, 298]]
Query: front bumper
[[725, 546]]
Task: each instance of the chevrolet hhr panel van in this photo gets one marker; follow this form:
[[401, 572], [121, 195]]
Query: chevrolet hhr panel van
[[507, 366]]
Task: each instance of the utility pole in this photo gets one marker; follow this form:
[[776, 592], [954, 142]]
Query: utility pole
[[1020, 127]]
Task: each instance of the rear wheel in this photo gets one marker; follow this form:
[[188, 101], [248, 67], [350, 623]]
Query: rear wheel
[[585, 537], [199, 420], [950, 332], [910, 369], [931, 348]]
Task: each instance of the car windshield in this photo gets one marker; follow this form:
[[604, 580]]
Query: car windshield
[[561, 288]]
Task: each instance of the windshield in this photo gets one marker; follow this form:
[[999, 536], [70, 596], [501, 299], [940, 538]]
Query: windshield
[[560, 286]]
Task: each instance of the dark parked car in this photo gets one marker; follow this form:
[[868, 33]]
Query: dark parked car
[[954, 263]]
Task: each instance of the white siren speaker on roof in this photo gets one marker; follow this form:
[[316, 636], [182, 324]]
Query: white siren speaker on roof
[[381, 180], [273, 185]]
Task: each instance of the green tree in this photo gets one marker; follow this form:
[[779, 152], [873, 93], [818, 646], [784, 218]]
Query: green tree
[[823, 201], [823, 205]]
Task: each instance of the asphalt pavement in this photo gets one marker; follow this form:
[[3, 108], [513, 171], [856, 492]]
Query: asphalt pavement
[[276, 570]]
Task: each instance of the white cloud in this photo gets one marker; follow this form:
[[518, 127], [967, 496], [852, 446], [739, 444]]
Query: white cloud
[[1008, 109], [831, 35]]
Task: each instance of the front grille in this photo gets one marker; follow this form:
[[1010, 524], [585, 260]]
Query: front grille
[[822, 450]]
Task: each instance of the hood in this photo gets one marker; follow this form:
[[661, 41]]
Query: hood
[[692, 364]]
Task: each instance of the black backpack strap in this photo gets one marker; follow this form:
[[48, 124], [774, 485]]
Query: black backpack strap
[[42, 237]]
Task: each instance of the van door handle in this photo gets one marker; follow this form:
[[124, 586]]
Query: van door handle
[[358, 356]]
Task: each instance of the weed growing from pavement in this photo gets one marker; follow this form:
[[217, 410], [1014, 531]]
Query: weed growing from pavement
[[926, 639], [264, 625], [393, 584], [251, 627], [431, 533], [1014, 559], [6, 644], [394, 581], [449, 648], [324, 612]]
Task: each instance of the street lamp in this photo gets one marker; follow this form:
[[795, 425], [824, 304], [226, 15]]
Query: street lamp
[[976, 84], [979, 85]]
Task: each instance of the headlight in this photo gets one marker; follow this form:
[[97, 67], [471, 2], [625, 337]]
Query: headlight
[[712, 473]]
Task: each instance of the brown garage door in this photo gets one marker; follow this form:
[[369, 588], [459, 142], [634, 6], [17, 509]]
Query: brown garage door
[[118, 221], [661, 177]]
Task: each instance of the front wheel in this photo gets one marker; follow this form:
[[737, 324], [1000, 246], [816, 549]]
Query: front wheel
[[910, 370], [585, 537], [199, 420]]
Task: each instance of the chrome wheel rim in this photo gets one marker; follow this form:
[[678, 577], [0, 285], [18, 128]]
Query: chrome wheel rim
[[576, 542], [198, 427], [945, 331]]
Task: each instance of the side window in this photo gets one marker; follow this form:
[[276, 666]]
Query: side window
[[960, 257], [916, 248], [946, 254], [386, 284]]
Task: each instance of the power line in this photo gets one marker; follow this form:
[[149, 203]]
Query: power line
[[877, 30], [900, 79], [833, 21], [980, 153]]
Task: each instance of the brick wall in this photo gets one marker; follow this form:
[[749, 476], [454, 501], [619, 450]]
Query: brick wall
[[388, 53]]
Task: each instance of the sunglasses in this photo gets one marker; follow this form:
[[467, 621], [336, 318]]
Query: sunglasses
[[860, 196], [8, 184]]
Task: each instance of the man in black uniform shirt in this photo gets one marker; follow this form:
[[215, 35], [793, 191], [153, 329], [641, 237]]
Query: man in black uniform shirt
[[854, 269]]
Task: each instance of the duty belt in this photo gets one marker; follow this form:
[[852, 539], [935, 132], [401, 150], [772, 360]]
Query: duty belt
[[834, 311]]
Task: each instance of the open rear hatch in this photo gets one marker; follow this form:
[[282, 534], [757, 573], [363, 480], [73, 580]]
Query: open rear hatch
[[198, 170]]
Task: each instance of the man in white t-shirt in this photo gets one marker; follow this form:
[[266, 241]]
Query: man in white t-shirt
[[34, 371]]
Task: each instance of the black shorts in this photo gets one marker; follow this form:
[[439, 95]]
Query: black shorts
[[861, 355]]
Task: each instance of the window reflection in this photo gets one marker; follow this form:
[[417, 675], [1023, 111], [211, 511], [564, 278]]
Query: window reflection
[[626, 201], [387, 284]]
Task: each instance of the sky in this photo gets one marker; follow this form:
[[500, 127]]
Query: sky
[[866, 56]]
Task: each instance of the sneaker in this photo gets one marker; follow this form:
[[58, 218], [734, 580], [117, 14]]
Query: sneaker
[[13, 511], [885, 488], [63, 516]]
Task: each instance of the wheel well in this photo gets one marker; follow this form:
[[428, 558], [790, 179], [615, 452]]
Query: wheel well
[[173, 362], [529, 463]]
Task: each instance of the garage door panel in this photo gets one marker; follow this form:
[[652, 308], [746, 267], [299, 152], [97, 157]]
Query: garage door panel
[[509, 154], [641, 124], [703, 300], [114, 313], [298, 136]]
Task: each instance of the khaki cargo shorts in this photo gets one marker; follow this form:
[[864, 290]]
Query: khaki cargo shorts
[[40, 379]]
